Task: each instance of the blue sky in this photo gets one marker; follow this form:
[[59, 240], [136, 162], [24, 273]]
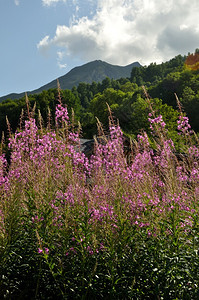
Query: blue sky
[[41, 40]]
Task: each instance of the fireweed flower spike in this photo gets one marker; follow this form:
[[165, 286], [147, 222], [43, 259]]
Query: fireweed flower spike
[[61, 114], [46, 250], [183, 125], [157, 120]]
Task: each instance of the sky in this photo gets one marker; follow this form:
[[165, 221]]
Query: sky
[[41, 40]]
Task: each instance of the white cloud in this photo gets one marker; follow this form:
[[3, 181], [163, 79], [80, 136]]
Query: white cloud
[[16, 2], [60, 58], [123, 31], [60, 55], [51, 2], [61, 66], [43, 45], [77, 8]]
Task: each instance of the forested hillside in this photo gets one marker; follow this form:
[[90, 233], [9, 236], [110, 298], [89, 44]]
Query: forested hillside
[[93, 71], [125, 97]]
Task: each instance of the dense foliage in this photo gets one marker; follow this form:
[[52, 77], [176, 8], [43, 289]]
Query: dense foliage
[[124, 96], [104, 227]]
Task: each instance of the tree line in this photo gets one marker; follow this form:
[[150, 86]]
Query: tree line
[[125, 98]]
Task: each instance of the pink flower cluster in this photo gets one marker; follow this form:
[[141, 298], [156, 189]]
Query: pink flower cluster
[[61, 114], [3, 165], [183, 125], [106, 192], [157, 120]]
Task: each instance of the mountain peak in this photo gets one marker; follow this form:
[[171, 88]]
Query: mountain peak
[[96, 70]]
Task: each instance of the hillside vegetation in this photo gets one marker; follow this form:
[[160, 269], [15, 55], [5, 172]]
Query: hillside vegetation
[[93, 71], [124, 96]]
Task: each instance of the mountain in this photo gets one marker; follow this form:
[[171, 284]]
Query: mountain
[[93, 71]]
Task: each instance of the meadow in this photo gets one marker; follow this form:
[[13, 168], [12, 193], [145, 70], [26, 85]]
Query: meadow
[[108, 226]]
